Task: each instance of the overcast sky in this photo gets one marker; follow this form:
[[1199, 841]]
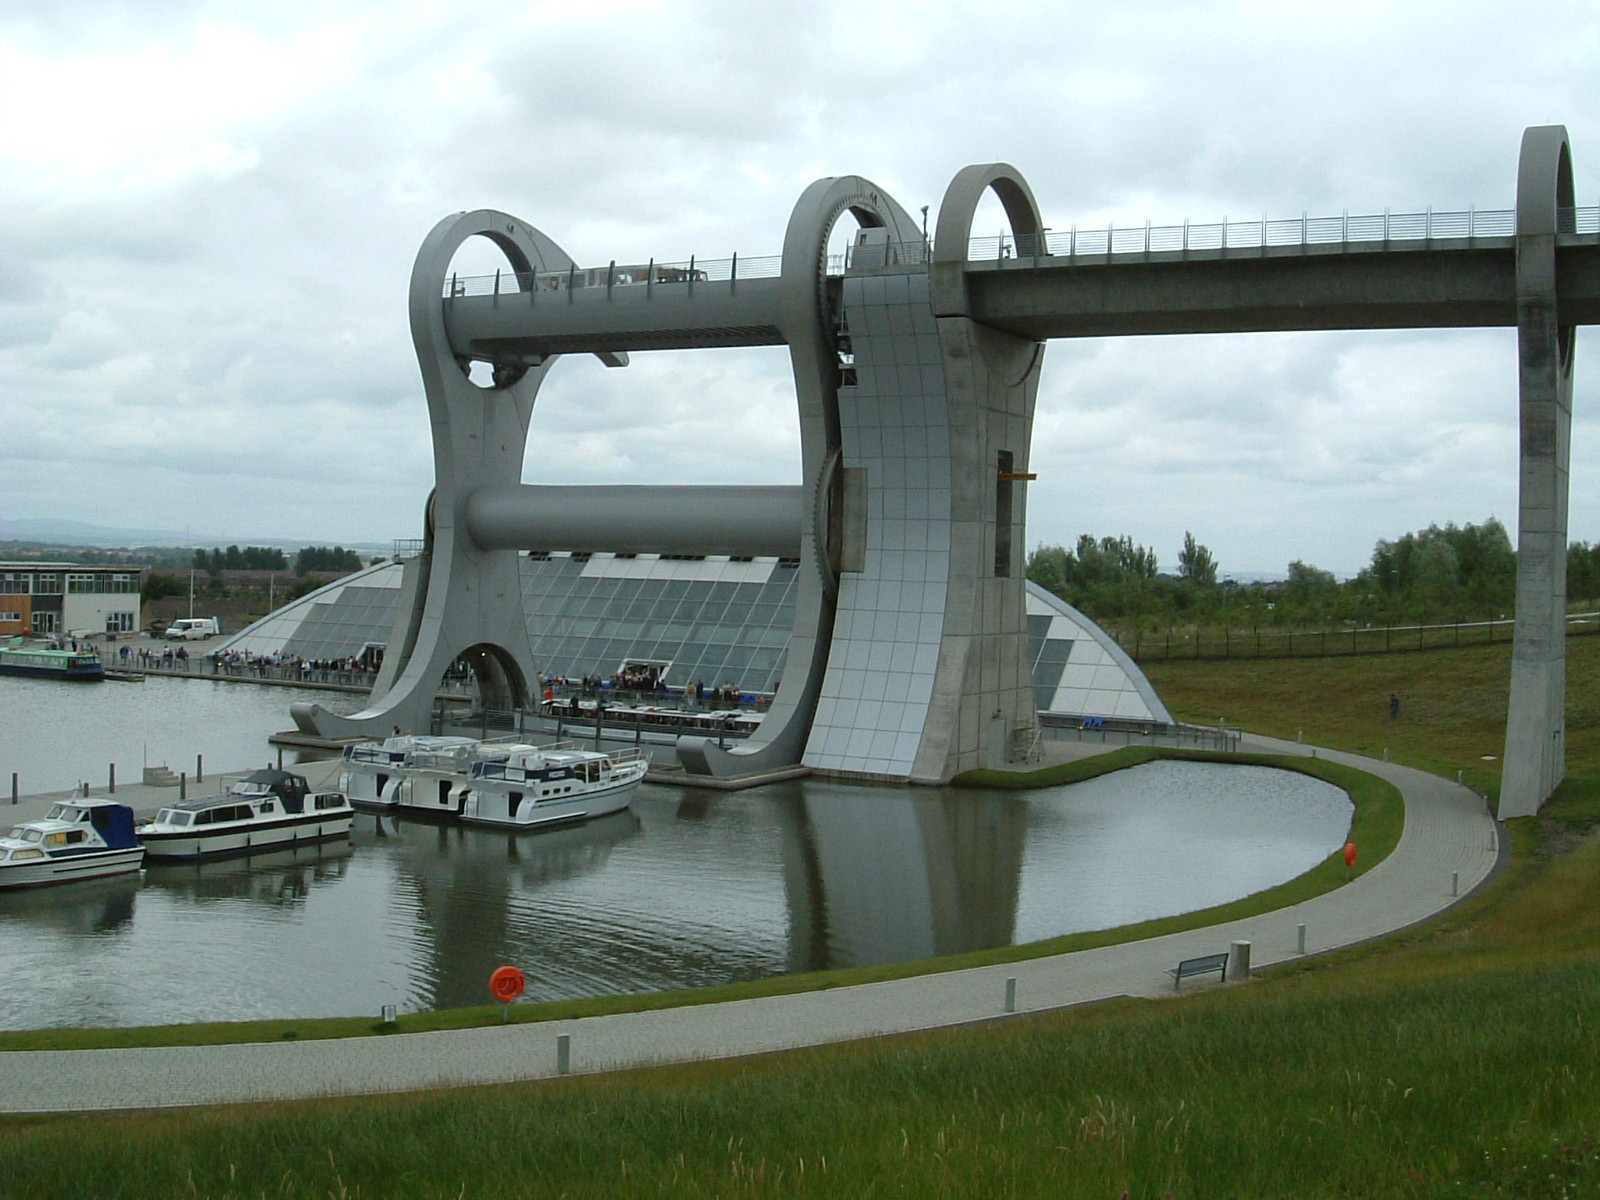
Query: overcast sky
[[209, 211]]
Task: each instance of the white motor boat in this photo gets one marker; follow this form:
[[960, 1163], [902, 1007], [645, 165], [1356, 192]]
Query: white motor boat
[[77, 839], [263, 810], [370, 767], [549, 785], [420, 774]]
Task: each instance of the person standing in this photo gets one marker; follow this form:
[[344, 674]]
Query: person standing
[[1394, 706]]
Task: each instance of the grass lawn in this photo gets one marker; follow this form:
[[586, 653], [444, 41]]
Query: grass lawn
[[1455, 1060]]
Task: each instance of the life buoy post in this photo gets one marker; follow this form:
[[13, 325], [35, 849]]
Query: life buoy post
[[505, 985]]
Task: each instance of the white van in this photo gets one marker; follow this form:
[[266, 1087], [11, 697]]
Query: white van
[[187, 629]]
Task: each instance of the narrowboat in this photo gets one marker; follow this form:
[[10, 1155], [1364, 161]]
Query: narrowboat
[[19, 659]]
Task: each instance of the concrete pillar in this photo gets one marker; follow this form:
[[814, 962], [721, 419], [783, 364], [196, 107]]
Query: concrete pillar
[[1535, 756]]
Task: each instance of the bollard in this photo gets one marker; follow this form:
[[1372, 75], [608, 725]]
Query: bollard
[[280, 758], [1386, 754], [1011, 993], [1300, 736], [563, 1053], [183, 785], [199, 768], [388, 1014], [13, 787], [1455, 883], [1239, 961], [1460, 776], [111, 786], [1300, 942]]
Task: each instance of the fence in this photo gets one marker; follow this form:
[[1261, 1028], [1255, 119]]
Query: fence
[[1167, 645], [1368, 231]]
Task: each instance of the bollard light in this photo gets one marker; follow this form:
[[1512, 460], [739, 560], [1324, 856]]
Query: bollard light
[[1455, 883], [1300, 941], [388, 1014], [1011, 993], [563, 1053]]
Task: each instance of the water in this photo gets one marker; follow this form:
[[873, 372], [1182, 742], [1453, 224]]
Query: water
[[55, 734], [686, 889]]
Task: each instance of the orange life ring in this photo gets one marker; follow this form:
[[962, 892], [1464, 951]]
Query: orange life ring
[[506, 984]]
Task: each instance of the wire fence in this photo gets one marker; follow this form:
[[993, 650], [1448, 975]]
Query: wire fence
[[1222, 643]]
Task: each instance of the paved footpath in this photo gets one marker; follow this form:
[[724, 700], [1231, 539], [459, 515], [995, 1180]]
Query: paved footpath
[[1448, 833]]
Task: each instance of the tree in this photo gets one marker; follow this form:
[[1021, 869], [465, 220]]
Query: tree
[[1196, 564]]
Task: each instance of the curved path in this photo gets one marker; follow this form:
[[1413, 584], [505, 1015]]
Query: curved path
[[1448, 832]]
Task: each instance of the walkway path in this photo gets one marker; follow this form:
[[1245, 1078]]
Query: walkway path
[[1448, 832]]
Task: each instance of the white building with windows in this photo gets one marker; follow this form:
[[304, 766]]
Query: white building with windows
[[46, 599]]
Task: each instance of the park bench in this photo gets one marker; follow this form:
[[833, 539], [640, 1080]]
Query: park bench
[[1199, 966]]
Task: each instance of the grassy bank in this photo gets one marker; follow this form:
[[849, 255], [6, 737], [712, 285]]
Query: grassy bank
[[1452, 711], [1455, 1063], [1454, 1060]]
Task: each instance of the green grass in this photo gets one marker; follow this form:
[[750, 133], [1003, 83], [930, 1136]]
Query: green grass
[[1457, 1059]]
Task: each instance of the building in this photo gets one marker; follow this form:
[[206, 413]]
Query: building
[[46, 599], [689, 619]]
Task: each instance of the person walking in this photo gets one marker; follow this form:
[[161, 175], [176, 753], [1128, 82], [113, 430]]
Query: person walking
[[1394, 706]]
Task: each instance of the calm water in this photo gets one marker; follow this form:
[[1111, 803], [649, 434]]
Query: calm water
[[686, 889], [54, 734]]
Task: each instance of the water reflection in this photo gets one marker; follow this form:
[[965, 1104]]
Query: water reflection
[[887, 876], [684, 890], [277, 877]]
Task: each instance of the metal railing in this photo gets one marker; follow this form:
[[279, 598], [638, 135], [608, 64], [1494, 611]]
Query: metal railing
[[1346, 231]]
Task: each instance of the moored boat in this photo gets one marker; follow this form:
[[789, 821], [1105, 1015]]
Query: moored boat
[[370, 767], [549, 785], [420, 774], [264, 810], [80, 665], [76, 839]]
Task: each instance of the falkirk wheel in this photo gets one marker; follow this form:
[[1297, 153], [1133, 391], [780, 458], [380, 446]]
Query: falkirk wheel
[[907, 657], [916, 372]]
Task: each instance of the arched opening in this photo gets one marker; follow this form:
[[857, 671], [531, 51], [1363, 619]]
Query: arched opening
[[489, 676]]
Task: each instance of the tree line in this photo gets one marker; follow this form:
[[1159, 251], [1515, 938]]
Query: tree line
[[266, 558], [1440, 574]]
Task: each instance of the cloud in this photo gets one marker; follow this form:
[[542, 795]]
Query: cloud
[[209, 214]]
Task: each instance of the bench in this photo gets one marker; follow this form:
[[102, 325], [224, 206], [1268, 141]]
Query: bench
[[1199, 966]]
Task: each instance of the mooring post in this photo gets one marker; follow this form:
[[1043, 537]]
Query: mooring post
[[13, 787], [183, 785], [111, 783], [199, 768]]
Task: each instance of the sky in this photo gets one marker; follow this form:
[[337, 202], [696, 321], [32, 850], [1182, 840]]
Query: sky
[[209, 212]]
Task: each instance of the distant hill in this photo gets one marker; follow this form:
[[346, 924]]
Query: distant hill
[[52, 532]]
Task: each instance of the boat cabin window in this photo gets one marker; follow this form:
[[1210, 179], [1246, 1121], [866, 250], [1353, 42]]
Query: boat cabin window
[[70, 837], [26, 835], [173, 816], [329, 800], [269, 806], [19, 855]]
